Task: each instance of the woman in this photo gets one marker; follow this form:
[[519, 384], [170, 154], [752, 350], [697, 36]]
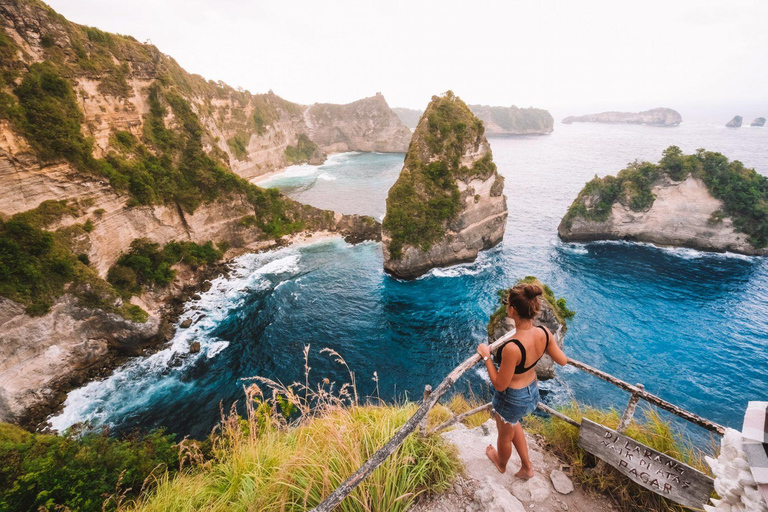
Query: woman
[[516, 390]]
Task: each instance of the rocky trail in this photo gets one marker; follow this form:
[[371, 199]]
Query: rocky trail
[[483, 488]]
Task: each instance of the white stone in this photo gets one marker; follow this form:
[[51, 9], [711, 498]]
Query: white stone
[[535, 489], [490, 497], [561, 482]]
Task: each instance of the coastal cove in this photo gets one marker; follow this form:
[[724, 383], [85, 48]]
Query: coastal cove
[[691, 326]]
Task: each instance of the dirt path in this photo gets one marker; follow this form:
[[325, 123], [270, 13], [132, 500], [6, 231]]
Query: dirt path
[[483, 488]]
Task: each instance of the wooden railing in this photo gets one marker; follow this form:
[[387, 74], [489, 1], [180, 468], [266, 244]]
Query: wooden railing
[[432, 397]]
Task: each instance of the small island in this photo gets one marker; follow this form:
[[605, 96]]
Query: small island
[[654, 117], [759, 121], [735, 122], [448, 202], [701, 201]]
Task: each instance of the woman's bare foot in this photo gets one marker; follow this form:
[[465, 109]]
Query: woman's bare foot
[[490, 452], [525, 473]]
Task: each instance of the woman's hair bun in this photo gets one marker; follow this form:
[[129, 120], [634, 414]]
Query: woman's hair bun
[[532, 291]]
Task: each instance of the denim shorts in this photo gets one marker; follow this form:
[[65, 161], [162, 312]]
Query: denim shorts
[[513, 404]]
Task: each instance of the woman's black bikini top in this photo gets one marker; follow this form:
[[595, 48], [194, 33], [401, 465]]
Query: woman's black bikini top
[[520, 368]]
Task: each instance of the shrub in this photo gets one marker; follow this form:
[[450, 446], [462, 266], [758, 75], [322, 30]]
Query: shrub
[[145, 264], [77, 470], [239, 145], [559, 305], [302, 151]]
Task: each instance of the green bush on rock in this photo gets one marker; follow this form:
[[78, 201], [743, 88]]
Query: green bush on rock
[[559, 305], [743, 191]]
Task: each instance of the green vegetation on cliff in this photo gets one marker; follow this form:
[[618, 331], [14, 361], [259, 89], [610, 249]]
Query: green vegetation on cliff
[[302, 152], [146, 264], [743, 191], [426, 195], [516, 120], [37, 266], [559, 306], [78, 471]]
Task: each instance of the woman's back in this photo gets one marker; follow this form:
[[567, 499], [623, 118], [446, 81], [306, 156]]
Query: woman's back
[[527, 347]]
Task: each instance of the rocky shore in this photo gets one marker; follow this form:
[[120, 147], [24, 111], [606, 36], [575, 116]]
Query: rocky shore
[[653, 117]]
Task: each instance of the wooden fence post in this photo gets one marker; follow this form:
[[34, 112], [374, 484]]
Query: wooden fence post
[[423, 424], [626, 418]]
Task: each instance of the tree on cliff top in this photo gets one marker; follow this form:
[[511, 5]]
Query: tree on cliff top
[[426, 195]]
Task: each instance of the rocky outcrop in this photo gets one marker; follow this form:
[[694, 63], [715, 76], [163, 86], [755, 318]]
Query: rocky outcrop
[[44, 354], [759, 121], [409, 116], [653, 117], [39, 355], [682, 215], [252, 130], [448, 203], [513, 120], [735, 122], [677, 208], [364, 125]]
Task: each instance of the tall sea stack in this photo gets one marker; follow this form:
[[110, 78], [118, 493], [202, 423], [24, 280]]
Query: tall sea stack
[[448, 203]]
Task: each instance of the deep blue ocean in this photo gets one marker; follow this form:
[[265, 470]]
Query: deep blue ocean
[[691, 326]]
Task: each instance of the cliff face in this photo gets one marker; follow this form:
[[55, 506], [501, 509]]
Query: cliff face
[[124, 144], [698, 201], [409, 116], [653, 117], [681, 216], [513, 120], [448, 203], [368, 125], [497, 120]]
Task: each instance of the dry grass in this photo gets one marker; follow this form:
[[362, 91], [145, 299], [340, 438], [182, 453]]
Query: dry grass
[[264, 462], [656, 433], [457, 405]]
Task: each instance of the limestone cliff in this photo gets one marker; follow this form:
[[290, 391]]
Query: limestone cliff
[[699, 201], [104, 140], [653, 117], [759, 121], [448, 202], [553, 315], [368, 125], [513, 120], [735, 122], [497, 120], [409, 116]]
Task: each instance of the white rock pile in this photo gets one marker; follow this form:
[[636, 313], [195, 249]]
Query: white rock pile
[[733, 479]]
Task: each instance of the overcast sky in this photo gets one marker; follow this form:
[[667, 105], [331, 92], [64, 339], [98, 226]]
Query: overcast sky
[[569, 54]]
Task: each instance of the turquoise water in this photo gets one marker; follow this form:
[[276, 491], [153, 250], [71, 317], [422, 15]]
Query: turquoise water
[[691, 326]]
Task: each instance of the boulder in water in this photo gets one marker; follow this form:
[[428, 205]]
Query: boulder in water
[[735, 122], [759, 121]]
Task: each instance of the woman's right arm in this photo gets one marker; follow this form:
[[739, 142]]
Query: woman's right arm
[[555, 352]]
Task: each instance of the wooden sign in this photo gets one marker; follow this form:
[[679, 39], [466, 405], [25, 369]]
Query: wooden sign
[[653, 470]]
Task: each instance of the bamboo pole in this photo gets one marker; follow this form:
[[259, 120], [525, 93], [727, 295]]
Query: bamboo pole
[[458, 417], [650, 398]]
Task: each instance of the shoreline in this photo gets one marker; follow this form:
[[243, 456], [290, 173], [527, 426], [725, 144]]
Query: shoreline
[[168, 310]]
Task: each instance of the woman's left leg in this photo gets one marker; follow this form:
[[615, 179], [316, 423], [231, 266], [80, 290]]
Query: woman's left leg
[[500, 456]]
